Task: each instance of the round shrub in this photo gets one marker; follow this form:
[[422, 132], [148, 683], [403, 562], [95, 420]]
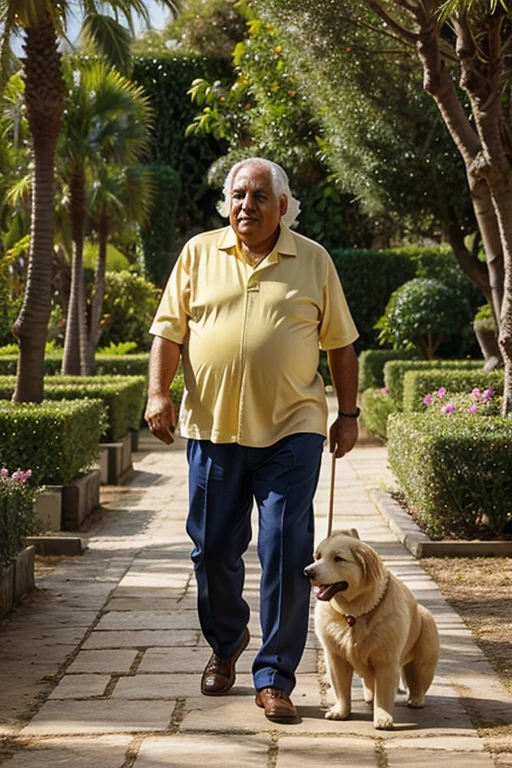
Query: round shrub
[[422, 314]]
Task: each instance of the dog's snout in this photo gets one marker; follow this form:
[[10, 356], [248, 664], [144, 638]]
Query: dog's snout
[[309, 571]]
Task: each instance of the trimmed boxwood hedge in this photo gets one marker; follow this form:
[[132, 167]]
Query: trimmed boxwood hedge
[[123, 397], [394, 372], [455, 472], [417, 384], [372, 362], [375, 409], [111, 365], [56, 440]]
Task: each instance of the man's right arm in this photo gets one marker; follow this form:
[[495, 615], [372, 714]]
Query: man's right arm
[[160, 410]]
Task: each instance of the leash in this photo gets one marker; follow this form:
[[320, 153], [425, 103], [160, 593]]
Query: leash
[[331, 495]]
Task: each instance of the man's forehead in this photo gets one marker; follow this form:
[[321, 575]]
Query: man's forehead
[[253, 177]]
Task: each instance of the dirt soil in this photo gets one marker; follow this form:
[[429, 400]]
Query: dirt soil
[[480, 590]]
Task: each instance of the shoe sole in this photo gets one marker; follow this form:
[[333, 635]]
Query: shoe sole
[[231, 684]]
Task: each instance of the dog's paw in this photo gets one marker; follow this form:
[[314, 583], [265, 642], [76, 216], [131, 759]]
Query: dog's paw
[[367, 694], [383, 722], [417, 703], [337, 713]]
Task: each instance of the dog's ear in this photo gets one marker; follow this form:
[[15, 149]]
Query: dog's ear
[[372, 565], [347, 532]]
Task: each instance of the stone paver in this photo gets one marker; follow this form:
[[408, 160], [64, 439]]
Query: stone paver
[[102, 666]]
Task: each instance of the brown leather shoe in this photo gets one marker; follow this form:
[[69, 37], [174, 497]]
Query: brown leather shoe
[[219, 674], [277, 705]]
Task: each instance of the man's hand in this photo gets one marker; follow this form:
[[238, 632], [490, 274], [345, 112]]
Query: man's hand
[[161, 417], [343, 436]]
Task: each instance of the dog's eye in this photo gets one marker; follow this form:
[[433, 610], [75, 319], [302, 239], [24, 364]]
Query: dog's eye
[[339, 559]]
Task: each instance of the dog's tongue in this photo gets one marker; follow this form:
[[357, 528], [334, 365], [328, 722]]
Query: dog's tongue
[[328, 591]]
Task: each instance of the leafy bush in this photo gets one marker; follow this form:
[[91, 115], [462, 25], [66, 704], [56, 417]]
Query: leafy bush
[[123, 348], [376, 406], [129, 306], [423, 313], [159, 235], [17, 516], [394, 372], [455, 471], [123, 398], [122, 365], [371, 365], [56, 440], [418, 384]]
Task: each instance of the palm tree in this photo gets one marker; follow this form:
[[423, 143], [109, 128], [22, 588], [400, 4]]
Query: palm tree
[[41, 23], [107, 121], [117, 197]]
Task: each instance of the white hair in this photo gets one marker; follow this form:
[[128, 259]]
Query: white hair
[[280, 185]]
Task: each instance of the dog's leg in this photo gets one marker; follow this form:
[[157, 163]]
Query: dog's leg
[[419, 672], [387, 676], [340, 675], [368, 687]]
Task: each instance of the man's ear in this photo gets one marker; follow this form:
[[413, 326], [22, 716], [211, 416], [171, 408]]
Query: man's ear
[[283, 205]]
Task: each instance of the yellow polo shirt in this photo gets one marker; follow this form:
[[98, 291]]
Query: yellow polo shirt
[[251, 336]]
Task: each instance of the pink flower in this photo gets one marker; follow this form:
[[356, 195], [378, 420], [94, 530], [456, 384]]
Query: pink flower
[[441, 392], [448, 408], [427, 400], [476, 394], [384, 391], [488, 394], [4, 472], [473, 409]]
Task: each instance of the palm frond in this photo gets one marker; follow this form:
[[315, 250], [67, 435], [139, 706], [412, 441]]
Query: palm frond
[[110, 39]]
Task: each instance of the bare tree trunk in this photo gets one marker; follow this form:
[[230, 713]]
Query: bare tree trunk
[[44, 98], [75, 341], [99, 292]]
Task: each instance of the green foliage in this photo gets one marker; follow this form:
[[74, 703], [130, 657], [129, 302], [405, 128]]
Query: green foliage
[[17, 517], [418, 384], [371, 366], [116, 261], [375, 409], [129, 305], [123, 348], [122, 365], [55, 440], [177, 389], [166, 79], [395, 370], [421, 314], [123, 398], [455, 472], [158, 236], [210, 27]]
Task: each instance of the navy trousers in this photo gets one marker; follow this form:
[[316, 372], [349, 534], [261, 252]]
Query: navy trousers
[[224, 479]]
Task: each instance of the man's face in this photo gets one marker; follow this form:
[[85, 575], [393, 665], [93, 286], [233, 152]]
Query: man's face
[[255, 209]]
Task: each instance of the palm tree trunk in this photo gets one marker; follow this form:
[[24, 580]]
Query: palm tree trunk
[[44, 98], [75, 341], [99, 292]]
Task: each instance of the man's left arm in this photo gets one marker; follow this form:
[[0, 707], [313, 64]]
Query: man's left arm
[[344, 430]]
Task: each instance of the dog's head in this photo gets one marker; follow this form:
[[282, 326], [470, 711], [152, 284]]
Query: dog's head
[[344, 564]]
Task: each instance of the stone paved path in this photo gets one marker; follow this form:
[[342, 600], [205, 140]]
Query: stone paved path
[[101, 668]]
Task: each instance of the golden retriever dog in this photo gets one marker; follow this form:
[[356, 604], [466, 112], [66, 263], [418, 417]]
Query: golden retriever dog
[[369, 622]]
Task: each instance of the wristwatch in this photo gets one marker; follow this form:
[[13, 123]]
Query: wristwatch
[[354, 415]]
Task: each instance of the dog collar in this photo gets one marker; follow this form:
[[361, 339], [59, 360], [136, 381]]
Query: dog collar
[[351, 619]]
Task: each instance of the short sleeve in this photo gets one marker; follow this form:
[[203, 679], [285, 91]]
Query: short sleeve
[[337, 328], [171, 319]]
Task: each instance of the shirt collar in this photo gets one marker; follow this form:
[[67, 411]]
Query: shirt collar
[[285, 245]]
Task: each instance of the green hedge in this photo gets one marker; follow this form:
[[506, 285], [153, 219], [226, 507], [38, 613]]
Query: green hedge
[[17, 514], [371, 366], [375, 409], [455, 472], [418, 384], [394, 372], [55, 440], [123, 397], [106, 365]]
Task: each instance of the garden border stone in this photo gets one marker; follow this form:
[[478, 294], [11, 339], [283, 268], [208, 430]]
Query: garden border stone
[[420, 545]]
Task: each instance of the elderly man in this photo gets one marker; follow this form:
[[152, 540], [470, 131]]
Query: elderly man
[[247, 308]]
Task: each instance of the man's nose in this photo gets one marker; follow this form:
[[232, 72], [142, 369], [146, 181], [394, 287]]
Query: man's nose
[[248, 201]]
